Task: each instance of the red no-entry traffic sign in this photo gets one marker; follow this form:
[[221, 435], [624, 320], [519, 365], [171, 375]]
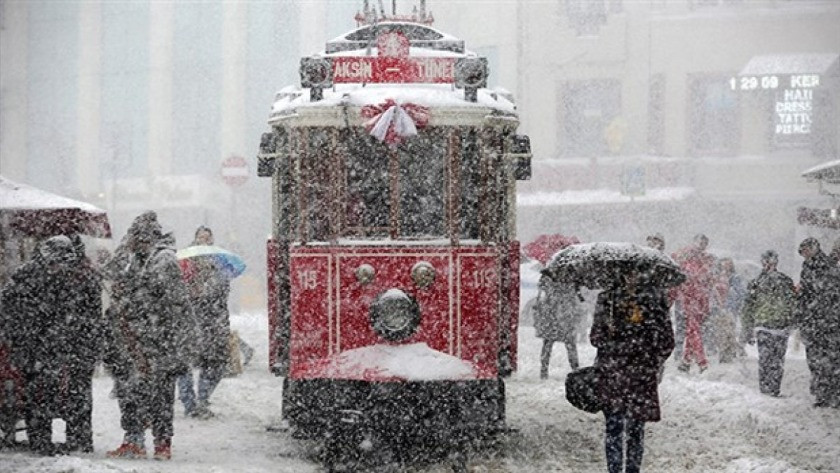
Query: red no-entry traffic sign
[[235, 171]]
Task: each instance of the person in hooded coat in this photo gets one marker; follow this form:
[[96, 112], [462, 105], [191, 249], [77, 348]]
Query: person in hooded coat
[[818, 318], [632, 332], [53, 306], [557, 314], [208, 287], [151, 324]]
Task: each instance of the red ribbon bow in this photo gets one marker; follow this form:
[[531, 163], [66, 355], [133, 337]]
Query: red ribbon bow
[[391, 122]]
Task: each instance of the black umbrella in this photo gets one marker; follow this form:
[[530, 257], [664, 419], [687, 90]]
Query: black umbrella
[[602, 264]]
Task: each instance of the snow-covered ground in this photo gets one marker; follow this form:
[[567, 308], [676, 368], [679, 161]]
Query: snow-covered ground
[[714, 422]]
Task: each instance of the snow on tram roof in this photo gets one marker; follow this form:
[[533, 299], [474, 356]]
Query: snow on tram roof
[[293, 98], [413, 51]]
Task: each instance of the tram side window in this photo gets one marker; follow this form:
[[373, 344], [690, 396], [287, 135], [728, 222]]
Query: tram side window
[[367, 198], [423, 186], [317, 186], [470, 184]]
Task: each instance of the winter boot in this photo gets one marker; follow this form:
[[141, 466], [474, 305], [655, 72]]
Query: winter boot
[[163, 449], [202, 411], [128, 450]]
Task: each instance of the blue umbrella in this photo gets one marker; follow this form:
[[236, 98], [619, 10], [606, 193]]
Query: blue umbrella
[[231, 263]]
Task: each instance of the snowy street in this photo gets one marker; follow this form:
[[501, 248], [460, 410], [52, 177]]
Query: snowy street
[[716, 421]]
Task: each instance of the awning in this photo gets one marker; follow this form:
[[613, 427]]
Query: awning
[[825, 218], [29, 211], [827, 172], [814, 63]]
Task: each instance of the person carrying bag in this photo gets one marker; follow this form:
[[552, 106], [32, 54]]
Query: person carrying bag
[[632, 333]]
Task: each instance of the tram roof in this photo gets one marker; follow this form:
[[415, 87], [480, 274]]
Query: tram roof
[[417, 34]]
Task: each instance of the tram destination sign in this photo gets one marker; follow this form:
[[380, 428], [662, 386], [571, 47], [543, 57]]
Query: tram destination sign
[[793, 103], [393, 63], [384, 69]]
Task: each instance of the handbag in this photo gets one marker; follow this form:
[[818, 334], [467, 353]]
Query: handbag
[[582, 389]]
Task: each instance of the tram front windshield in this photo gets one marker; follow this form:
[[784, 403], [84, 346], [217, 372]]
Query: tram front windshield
[[400, 191]]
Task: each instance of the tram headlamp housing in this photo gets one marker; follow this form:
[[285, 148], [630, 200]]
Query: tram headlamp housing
[[365, 273], [423, 274], [316, 74], [471, 74], [395, 315]]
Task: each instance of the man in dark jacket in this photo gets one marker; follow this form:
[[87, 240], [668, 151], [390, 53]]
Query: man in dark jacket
[[818, 317], [766, 320], [208, 287], [55, 308], [151, 330], [632, 332]]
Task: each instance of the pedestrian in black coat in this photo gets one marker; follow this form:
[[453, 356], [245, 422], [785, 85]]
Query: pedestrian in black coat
[[818, 317], [632, 331], [151, 330], [54, 305]]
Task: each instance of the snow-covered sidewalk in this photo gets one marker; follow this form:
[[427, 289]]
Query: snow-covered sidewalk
[[714, 422]]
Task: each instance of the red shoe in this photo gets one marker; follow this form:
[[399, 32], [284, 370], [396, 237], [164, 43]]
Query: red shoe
[[163, 450], [128, 450]]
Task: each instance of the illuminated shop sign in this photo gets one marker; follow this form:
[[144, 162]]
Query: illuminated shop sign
[[794, 99]]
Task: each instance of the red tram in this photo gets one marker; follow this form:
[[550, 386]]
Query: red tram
[[393, 265]]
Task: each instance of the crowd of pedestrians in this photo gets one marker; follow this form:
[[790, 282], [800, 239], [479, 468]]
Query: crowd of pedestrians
[[160, 320], [634, 332]]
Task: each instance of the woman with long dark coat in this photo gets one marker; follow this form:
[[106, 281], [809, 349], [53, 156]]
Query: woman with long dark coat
[[632, 332], [54, 309]]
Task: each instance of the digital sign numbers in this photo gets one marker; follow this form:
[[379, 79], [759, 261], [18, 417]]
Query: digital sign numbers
[[794, 98], [774, 82]]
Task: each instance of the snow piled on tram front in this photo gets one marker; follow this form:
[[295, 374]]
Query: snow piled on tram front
[[411, 362], [291, 98]]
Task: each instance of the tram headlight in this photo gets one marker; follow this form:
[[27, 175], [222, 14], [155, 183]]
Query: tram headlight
[[423, 274], [365, 274], [395, 315]]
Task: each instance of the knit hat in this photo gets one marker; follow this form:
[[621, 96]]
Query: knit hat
[[770, 256], [809, 242], [57, 249], [145, 228]]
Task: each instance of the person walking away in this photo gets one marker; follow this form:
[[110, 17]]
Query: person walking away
[[727, 298], [53, 304], [818, 318], [693, 298], [632, 333], [151, 330], [766, 321], [208, 287], [556, 317]]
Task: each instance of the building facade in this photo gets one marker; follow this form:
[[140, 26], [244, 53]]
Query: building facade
[[678, 116]]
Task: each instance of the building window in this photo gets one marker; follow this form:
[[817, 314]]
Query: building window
[[586, 16], [714, 116], [656, 114], [588, 108]]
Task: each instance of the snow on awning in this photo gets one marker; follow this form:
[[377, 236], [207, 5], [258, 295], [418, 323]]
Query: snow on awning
[[30, 211], [828, 172], [790, 64]]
